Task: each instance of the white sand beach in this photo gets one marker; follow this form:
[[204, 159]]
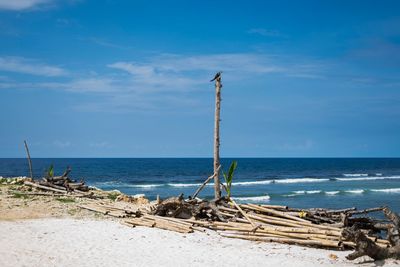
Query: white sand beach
[[82, 242]]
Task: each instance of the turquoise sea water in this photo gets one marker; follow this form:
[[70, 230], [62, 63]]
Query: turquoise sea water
[[296, 182]]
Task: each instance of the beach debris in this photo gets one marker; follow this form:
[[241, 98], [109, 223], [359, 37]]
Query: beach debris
[[333, 256], [342, 229], [29, 158], [136, 199], [59, 184], [14, 180], [321, 228], [365, 246]]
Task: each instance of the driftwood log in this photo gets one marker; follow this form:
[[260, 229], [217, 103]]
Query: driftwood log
[[367, 247], [60, 184], [177, 207]]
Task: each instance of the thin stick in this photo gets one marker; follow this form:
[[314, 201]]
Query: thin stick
[[205, 182], [243, 213], [29, 158]]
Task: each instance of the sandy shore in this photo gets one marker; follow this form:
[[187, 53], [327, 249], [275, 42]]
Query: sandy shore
[[78, 242], [55, 231]]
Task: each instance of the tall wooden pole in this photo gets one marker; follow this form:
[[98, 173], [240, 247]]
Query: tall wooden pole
[[218, 85], [29, 159]]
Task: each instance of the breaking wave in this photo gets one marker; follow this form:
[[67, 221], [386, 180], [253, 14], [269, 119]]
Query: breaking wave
[[350, 177], [355, 174], [388, 190], [355, 191], [332, 193], [253, 199]]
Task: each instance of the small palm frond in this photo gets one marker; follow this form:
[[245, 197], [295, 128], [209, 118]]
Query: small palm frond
[[229, 177], [50, 171]]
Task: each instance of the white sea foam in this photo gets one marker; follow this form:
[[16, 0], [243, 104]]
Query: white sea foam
[[261, 182], [253, 182], [313, 191], [355, 191], [331, 193], [301, 192], [142, 185], [300, 180], [355, 174], [388, 190], [369, 178], [378, 174], [107, 183], [253, 199], [185, 185]]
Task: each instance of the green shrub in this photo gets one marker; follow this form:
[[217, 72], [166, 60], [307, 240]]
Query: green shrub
[[113, 195]]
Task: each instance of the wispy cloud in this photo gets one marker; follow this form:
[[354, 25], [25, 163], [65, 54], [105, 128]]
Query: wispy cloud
[[62, 144], [106, 43], [378, 51], [134, 69], [29, 66], [235, 62], [158, 82], [18, 5], [266, 32], [170, 72]]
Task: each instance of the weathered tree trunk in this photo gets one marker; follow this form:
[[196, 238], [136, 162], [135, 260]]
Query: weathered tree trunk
[[394, 231], [29, 159], [365, 246], [217, 188]]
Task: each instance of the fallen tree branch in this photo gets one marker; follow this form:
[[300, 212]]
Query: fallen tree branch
[[205, 182], [367, 247]]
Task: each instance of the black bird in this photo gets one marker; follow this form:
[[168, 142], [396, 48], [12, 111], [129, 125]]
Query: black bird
[[217, 76]]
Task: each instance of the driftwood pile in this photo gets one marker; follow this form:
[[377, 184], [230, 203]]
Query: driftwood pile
[[59, 184], [333, 229]]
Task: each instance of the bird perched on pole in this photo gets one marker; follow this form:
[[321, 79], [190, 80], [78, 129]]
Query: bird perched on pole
[[217, 76]]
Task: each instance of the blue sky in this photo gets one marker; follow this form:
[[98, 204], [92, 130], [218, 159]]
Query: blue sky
[[131, 78]]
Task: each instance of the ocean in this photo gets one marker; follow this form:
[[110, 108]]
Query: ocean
[[296, 182]]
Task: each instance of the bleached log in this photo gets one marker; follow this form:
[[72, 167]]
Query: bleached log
[[274, 212], [287, 240], [243, 213], [44, 187]]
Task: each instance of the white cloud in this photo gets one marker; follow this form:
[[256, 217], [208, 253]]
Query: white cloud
[[105, 43], [158, 82], [146, 71], [61, 144], [17, 5], [169, 72], [28, 66], [235, 62]]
